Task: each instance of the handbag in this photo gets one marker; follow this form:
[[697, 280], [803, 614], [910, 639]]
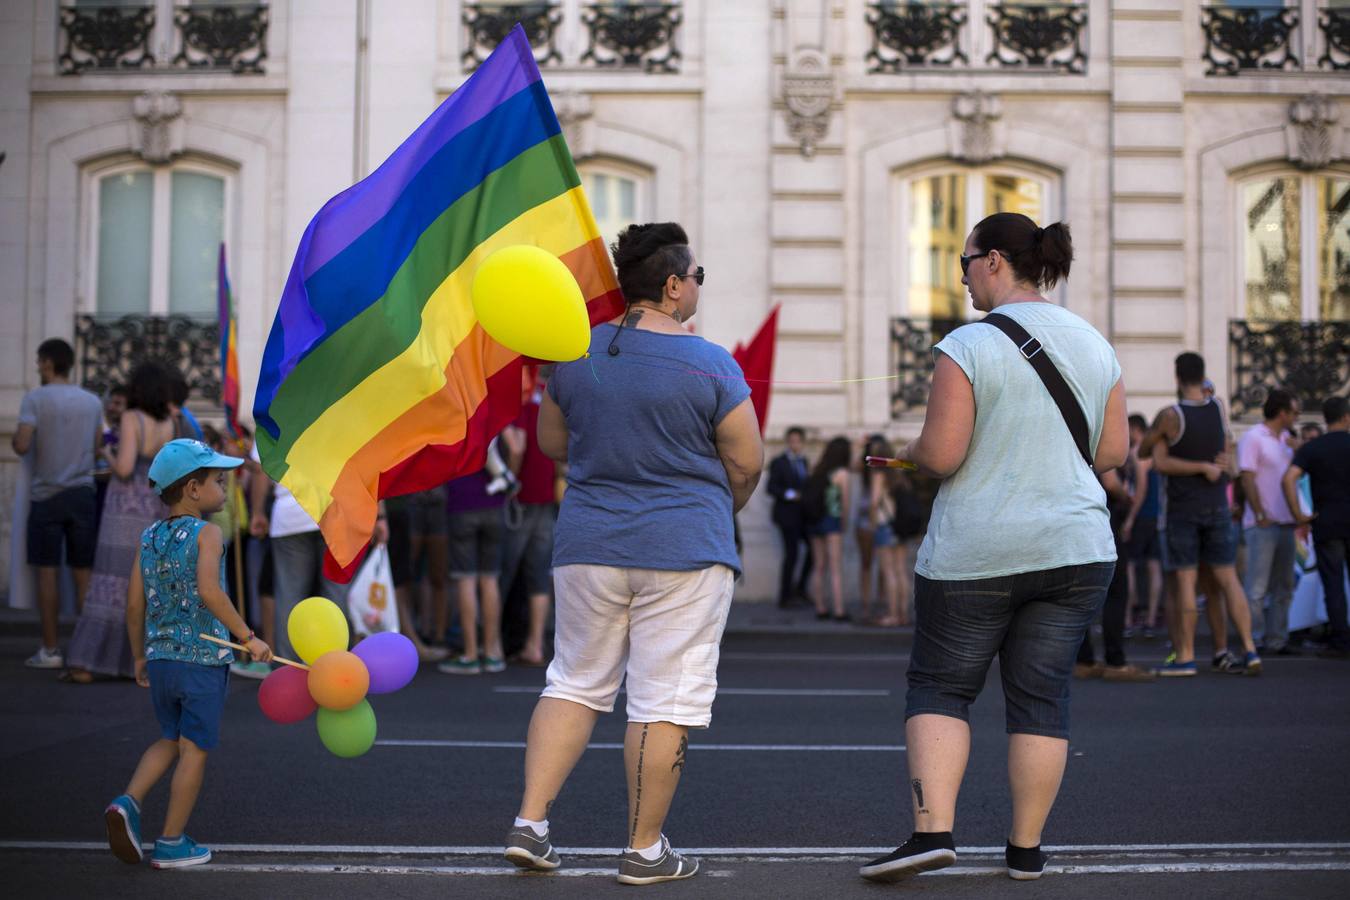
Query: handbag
[[1054, 382]]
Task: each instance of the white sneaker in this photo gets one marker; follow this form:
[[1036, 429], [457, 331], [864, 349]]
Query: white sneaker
[[46, 659]]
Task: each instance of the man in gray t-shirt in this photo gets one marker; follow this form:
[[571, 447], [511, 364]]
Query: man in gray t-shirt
[[62, 425]]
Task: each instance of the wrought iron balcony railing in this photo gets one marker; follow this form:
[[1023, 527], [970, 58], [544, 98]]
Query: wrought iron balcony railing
[[1049, 36], [912, 343], [1335, 26], [1243, 38], [488, 24], [226, 37], [229, 37], [1310, 359], [914, 35], [617, 34], [108, 348], [910, 35], [105, 38]]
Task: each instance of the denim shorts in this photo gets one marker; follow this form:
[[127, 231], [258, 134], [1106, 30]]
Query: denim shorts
[[1207, 536], [1033, 621], [476, 542], [884, 536], [827, 525], [69, 519], [189, 700]]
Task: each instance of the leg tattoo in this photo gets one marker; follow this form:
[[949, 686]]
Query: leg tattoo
[[918, 795], [680, 754], [637, 789]]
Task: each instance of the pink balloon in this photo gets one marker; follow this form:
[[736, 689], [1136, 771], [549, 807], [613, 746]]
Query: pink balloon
[[284, 696]]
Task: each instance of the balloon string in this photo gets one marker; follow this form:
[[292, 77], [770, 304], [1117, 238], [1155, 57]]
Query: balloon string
[[233, 646]]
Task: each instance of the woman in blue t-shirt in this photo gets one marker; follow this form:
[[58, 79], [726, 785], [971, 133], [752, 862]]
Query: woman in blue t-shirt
[[662, 447], [1019, 549]]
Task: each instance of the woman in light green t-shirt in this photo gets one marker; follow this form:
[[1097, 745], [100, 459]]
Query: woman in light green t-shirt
[[1019, 550]]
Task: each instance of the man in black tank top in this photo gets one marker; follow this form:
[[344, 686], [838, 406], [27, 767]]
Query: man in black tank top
[[1192, 447]]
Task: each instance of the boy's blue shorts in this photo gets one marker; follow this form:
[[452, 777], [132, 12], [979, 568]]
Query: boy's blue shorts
[[189, 699]]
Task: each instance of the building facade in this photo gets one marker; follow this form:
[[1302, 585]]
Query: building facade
[[827, 156]]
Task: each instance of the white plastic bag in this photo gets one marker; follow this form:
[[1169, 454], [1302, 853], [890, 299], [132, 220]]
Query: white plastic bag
[[371, 596]]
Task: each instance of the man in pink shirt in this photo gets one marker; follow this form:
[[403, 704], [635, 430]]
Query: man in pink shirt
[[1264, 453]]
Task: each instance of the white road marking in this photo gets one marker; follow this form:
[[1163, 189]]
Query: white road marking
[[528, 688], [786, 748], [502, 870], [785, 853]]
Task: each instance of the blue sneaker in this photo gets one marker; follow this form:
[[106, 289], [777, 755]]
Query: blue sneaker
[[1174, 669], [179, 854], [123, 818], [1251, 664]]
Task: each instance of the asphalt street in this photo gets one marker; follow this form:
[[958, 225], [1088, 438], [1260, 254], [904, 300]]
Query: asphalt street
[[1214, 786]]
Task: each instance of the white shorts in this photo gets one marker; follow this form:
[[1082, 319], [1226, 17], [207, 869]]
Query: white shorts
[[663, 628]]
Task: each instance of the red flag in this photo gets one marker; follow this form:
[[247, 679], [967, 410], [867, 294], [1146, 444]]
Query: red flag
[[756, 361]]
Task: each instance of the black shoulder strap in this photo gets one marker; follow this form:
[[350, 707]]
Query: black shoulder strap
[[1054, 382]]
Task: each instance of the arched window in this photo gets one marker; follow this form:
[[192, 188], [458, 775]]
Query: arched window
[[935, 209], [153, 238], [1294, 246], [619, 194]]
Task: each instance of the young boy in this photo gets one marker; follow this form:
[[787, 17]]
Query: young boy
[[176, 595]]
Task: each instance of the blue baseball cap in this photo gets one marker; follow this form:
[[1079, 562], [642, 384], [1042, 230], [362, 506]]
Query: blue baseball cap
[[184, 456]]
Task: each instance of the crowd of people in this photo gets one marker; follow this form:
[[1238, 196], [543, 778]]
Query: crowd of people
[[1052, 507], [488, 535]]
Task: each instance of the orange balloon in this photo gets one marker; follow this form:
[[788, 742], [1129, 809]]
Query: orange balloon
[[338, 680]]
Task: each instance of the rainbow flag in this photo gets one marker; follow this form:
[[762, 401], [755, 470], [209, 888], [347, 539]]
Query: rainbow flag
[[229, 353], [377, 379]]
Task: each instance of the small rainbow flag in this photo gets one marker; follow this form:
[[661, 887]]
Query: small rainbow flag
[[229, 353], [377, 379]]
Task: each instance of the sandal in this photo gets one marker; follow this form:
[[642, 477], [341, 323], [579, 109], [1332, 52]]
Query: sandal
[[75, 676]]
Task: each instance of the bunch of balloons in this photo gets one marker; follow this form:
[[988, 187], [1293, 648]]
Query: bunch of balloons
[[338, 680]]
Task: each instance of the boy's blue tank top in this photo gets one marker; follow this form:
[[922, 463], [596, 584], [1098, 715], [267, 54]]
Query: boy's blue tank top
[[174, 612]]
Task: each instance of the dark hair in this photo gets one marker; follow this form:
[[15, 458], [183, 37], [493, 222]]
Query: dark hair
[[1334, 409], [646, 255], [1190, 368], [118, 390], [836, 456], [60, 354], [174, 492], [149, 389], [1039, 256], [1277, 401], [1310, 430], [798, 430], [1138, 421], [212, 437], [178, 387]]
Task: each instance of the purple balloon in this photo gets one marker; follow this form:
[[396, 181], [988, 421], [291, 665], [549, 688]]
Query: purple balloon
[[391, 659]]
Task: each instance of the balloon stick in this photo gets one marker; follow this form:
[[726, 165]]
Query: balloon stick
[[233, 646], [885, 462]]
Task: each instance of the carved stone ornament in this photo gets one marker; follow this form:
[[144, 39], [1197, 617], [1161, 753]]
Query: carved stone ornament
[[574, 111], [808, 93], [160, 138], [1310, 134], [976, 131]]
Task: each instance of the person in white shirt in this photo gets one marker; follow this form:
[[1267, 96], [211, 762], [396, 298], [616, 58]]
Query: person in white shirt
[[1264, 454]]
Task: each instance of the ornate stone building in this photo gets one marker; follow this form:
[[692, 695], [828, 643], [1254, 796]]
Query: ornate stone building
[[827, 155]]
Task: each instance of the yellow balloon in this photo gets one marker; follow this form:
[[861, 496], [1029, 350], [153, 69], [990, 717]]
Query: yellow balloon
[[527, 300], [316, 626]]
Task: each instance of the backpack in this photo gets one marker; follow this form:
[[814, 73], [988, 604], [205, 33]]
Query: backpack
[[813, 499]]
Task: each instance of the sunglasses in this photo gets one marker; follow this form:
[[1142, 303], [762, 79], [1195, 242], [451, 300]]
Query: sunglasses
[[697, 275], [967, 260]]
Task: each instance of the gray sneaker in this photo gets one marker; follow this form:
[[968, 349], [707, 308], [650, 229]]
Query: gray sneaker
[[530, 851], [669, 866]]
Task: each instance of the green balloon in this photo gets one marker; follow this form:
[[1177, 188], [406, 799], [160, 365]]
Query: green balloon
[[347, 732]]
